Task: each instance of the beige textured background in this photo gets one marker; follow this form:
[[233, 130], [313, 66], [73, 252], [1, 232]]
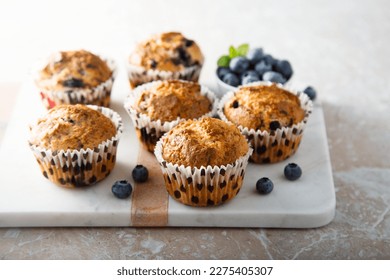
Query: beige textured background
[[339, 47]]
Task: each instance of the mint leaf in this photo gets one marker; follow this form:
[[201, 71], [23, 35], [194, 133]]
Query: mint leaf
[[223, 61], [232, 52], [243, 49]]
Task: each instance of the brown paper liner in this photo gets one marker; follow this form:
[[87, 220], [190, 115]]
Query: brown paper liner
[[278, 145], [149, 202], [204, 186], [77, 168], [140, 75], [99, 95], [149, 131]]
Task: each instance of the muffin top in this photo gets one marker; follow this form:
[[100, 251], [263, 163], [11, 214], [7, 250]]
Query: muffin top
[[168, 100], [73, 69], [72, 127], [262, 107], [204, 142], [167, 51]]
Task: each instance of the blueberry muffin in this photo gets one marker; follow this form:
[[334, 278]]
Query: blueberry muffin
[[75, 145], [158, 106], [203, 161], [272, 117], [165, 56], [75, 77]]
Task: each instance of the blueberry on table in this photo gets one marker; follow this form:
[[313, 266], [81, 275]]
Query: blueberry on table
[[239, 64], [140, 173], [311, 92], [231, 79], [274, 77], [222, 71], [255, 55], [292, 171], [73, 83], [262, 67], [264, 185], [122, 189], [284, 67]]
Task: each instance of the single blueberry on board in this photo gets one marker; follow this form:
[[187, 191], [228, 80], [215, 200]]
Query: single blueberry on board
[[264, 185], [140, 173], [122, 189], [292, 171], [311, 92]]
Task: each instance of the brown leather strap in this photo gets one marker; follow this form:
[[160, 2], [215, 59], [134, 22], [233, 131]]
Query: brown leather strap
[[149, 206]]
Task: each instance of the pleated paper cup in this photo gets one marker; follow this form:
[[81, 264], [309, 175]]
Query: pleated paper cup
[[99, 95], [77, 168], [149, 131], [278, 145], [204, 186], [139, 75]]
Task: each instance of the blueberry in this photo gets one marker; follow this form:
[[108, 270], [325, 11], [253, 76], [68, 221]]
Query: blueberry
[[188, 43], [274, 125], [222, 71], [239, 64], [250, 79], [122, 189], [231, 79], [311, 92], [73, 83], [249, 73], [274, 77], [140, 173], [153, 63], [292, 171], [284, 67], [262, 67], [264, 185], [268, 59], [255, 55]]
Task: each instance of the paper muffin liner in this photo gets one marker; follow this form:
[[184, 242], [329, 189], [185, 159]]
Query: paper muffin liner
[[139, 75], [204, 186], [149, 131], [99, 95], [77, 168], [278, 145]]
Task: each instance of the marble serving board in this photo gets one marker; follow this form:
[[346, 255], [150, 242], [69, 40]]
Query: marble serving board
[[27, 199]]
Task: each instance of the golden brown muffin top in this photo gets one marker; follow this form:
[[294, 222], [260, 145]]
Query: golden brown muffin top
[[72, 127], [263, 107], [167, 51], [73, 69], [204, 142], [168, 100]]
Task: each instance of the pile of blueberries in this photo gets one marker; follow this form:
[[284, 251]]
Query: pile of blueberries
[[255, 66], [258, 66]]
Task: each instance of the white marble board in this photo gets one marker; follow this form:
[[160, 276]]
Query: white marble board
[[27, 199]]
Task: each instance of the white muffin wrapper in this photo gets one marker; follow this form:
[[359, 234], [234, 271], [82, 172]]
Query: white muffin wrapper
[[99, 95], [139, 75], [204, 186], [75, 168], [157, 128], [272, 146]]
